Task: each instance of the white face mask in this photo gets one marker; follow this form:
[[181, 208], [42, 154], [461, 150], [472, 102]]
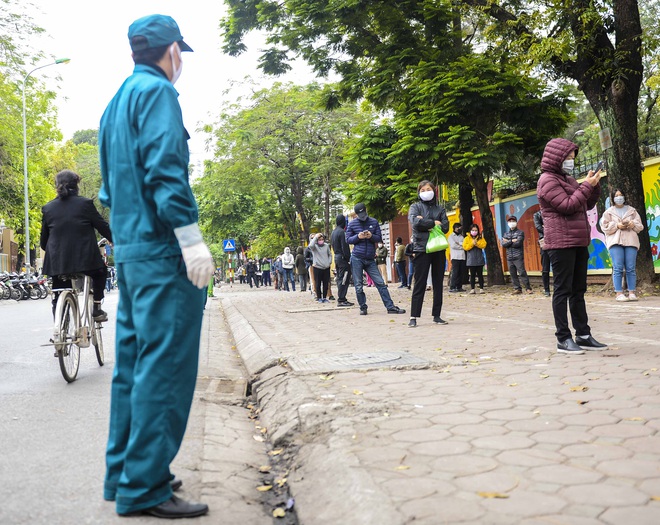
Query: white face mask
[[513, 224], [426, 195], [176, 73], [619, 200], [568, 165]]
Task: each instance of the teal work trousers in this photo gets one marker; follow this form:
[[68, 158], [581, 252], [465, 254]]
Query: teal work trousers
[[159, 321]]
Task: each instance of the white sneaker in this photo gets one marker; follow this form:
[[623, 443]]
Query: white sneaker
[[472, 291], [632, 296], [480, 290], [621, 298]]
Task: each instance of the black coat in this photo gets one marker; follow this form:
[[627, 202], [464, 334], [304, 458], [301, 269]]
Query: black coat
[[67, 235], [431, 211]]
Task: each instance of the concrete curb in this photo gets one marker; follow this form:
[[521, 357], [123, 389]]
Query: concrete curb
[[257, 356]]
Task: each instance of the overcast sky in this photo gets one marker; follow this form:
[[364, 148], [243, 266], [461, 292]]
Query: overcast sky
[[94, 36]]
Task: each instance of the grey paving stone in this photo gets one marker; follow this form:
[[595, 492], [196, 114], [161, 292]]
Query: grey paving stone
[[630, 468], [562, 437], [532, 457], [443, 448], [479, 430], [604, 495], [421, 435], [598, 449], [540, 424], [403, 490], [564, 475], [522, 503], [624, 429], [505, 442], [464, 465], [441, 510], [631, 515]]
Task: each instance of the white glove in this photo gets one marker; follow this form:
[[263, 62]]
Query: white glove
[[196, 255], [199, 264]]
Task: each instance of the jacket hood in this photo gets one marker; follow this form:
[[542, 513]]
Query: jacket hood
[[287, 250], [299, 250], [555, 153], [341, 221]]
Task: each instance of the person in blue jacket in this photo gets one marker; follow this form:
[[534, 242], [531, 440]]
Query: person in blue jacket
[[163, 268], [364, 233]]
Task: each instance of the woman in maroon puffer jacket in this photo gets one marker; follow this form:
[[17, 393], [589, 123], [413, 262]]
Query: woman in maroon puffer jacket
[[564, 203]]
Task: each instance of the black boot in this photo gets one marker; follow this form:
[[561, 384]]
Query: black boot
[[99, 315]]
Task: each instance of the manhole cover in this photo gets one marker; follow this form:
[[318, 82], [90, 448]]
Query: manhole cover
[[354, 361]]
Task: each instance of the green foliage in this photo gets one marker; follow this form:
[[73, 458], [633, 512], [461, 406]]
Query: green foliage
[[86, 136], [275, 159]]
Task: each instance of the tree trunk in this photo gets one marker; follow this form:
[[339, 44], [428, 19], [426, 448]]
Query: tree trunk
[[465, 203], [493, 259]]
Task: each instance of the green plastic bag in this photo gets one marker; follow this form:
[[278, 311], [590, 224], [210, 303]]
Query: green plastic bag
[[437, 241]]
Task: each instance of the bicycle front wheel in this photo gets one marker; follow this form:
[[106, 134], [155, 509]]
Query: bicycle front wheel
[[98, 343], [66, 346]]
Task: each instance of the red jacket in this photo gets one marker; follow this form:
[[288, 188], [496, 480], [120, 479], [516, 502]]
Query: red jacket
[[564, 202]]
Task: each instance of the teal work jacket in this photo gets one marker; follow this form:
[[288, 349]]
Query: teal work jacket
[[143, 150]]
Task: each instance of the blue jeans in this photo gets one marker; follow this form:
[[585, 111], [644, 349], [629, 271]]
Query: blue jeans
[[410, 271], [369, 265], [624, 257], [288, 276]]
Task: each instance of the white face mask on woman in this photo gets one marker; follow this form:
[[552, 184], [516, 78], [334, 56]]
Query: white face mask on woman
[[568, 165], [619, 200], [176, 72], [426, 195]]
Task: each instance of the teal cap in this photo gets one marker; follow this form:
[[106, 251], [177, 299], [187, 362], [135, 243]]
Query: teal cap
[[156, 31]]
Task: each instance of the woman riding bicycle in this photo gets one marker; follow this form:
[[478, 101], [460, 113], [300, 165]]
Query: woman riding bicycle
[[68, 237]]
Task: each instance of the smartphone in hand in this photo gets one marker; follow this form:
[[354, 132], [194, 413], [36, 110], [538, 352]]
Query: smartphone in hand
[[599, 166]]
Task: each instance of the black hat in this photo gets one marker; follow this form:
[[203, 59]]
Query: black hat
[[361, 211], [512, 218]]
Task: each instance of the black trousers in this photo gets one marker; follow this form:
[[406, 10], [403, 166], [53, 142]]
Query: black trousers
[[458, 271], [569, 268], [476, 272], [422, 263], [98, 284], [343, 269], [545, 270], [321, 281]]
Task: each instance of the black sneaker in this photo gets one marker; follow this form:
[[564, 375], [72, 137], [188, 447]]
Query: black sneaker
[[438, 320], [547, 293], [453, 290], [332, 297], [99, 315], [589, 343], [344, 303], [396, 310], [568, 346], [363, 311], [516, 292], [412, 323]]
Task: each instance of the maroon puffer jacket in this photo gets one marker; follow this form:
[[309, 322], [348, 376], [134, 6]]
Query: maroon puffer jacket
[[564, 202]]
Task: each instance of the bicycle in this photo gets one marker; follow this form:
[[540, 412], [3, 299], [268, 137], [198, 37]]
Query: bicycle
[[75, 329]]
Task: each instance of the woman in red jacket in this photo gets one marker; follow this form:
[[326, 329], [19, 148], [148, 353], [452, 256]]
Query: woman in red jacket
[[564, 203]]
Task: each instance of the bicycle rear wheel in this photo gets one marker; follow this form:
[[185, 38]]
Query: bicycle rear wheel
[[68, 351], [98, 343]]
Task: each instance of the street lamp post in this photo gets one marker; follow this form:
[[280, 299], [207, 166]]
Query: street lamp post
[[25, 166]]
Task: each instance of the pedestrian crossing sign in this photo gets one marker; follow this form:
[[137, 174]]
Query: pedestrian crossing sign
[[229, 245]]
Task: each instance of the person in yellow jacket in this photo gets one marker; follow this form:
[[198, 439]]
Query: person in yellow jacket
[[475, 261]]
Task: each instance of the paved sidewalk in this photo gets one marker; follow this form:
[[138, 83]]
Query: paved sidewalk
[[475, 422]]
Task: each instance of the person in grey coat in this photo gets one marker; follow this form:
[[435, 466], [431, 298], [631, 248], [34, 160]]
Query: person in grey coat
[[513, 241], [321, 261]]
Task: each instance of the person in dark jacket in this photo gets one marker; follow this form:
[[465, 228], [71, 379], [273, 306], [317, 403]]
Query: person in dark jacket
[[423, 216], [364, 233], [67, 235], [514, 242], [545, 258], [342, 260], [301, 268], [564, 203], [251, 270]]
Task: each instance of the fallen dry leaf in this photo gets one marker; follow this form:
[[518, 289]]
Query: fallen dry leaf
[[655, 498], [544, 376], [279, 513], [634, 419], [512, 384], [276, 452], [264, 488], [579, 388], [280, 482], [582, 402], [402, 467], [358, 392], [326, 377], [260, 439], [264, 469], [492, 495]]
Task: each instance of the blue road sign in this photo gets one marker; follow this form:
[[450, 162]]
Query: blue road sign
[[229, 245]]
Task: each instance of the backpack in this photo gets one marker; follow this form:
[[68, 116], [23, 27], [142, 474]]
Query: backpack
[[408, 252]]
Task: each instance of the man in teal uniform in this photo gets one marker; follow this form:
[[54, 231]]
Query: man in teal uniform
[[163, 269]]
